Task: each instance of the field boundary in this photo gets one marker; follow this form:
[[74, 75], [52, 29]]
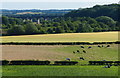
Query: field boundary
[[57, 43], [38, 62]]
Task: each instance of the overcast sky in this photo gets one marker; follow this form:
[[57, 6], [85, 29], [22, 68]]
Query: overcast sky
[[52, 4]]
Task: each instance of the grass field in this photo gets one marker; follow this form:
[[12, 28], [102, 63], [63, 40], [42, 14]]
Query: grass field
[[67, 37], [59, 71], [59, 52]]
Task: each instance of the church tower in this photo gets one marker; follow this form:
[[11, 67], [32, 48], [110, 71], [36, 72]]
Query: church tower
[[38, 21]]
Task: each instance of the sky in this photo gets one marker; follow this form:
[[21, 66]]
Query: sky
[[52, 4], [59, 0]]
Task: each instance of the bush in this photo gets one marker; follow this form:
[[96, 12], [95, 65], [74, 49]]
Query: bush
[[65, 62], [4, 62], [29, 62], [100, 62], [116, 63], [15, 62]]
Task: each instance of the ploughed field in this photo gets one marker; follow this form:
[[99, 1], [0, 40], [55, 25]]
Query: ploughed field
[[66, 37], [60, 52]]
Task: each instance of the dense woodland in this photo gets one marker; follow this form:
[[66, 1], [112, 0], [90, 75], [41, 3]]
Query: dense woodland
[[95, 19]]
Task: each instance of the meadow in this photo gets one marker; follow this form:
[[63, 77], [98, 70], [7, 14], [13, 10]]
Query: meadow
[[65, 37], [59, 71], [60, 52]]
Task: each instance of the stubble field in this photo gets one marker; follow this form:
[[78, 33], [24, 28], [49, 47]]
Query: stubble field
[[67, 37]]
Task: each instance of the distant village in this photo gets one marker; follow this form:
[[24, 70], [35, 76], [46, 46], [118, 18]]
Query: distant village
[[35, 21]]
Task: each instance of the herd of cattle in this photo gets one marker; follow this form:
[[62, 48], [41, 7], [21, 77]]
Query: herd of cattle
[[103, 62], [68, 62], [84, 51]]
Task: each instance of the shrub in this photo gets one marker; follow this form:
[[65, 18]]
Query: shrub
[[65, 62], [29, 62], [5, 62]]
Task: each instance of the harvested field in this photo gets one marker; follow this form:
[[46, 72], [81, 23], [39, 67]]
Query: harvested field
[[23, 52], [59, 52], [66, 37]]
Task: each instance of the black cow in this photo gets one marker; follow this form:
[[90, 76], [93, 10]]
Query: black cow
[[108, 66], [99, 46], [84, 51], [68, 59], [81, 58], [103, 60], [82, 46], [102, 46], [89, 47], [108, 45], [78, 51], [73, 52]]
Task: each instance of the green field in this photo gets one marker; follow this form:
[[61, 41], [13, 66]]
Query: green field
[[61, 52], [67, 37], [59, 71]]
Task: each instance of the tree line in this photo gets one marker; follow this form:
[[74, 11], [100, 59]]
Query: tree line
[[99, 18], [111, 10], [15, 26]]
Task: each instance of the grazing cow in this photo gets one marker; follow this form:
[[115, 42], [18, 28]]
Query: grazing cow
[[78, 51], [99, 46], [68, 59], [103, 60], [108, 66], [82, 46], [81, 58], [108, 45], [89, 47], [73, 52], [84, 51], [102, 46]]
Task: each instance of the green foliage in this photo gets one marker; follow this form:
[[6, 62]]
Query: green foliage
[[4, 62], [110, 10], [59, 30], [99, 18], [107, 20], [31, 29], [4, 26], [16, 30], [5, 20], [56, 24], [65, 62], [50, 30]]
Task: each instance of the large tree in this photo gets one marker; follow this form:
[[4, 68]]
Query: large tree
[[31, 29], [108, 21], [16, 30]]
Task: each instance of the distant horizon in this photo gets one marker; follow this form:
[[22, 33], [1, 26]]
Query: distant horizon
[[50, 5], [41, 9]]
